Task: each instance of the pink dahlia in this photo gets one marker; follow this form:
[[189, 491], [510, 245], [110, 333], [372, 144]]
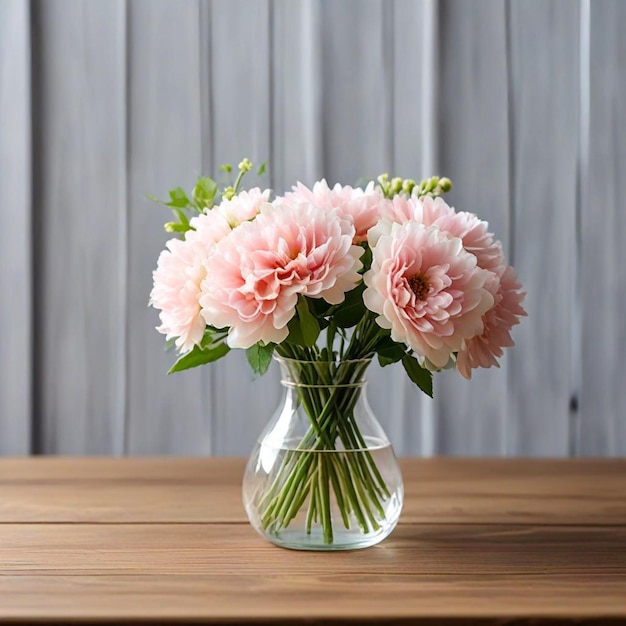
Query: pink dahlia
[[362, 206], [177, 278], [244, 206], [427, 289], [483, 350], [435, 212], [426, 210], [254, 276], [473, 231]]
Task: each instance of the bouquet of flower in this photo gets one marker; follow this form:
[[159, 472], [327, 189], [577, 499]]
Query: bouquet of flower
[[330, 275]]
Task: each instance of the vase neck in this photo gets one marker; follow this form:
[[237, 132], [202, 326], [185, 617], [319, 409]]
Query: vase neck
[[299, 373]]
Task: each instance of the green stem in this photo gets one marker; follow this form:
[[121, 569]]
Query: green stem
[[328, 394]]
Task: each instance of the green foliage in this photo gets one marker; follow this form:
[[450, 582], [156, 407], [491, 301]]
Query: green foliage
[[366, 258], [200, 356], [295, 336], [178, 199], [422, 377], [260, 356], [389, 351], [304, 327], [308, 322], [204, 193], [319, 307], [351, 310]]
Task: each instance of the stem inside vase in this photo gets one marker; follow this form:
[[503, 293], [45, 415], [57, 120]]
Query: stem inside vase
[[331, 467]]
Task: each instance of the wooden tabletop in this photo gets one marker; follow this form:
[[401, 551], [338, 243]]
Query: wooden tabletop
[[167, 540]]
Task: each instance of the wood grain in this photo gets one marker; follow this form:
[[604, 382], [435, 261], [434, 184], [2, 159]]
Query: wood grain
[[132, 97], [357, 91], [296, 93], [80, 248], [16, 375], [200, 490], [545, 82], [548, 545], [202, 570], [164, 151], [471, 415], [241, 71], [394, 399], [603, 261]]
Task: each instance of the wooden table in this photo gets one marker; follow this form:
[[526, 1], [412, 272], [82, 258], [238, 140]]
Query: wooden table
[[480, 541]]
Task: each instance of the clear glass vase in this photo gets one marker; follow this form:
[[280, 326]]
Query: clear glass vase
[[323, 475]]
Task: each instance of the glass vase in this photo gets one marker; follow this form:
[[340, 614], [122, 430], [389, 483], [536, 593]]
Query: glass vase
[[323, 475]]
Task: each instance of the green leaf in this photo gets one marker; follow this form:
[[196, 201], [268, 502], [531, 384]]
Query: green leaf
[[199, 356], [324, 323], [351, 310], [182, 216], [260, 357], [262, 169], [319, 307], [366, 258], [178, 198], [227, 167], [175, 227], [295, 336], [420, 376], [308, 323], [389, 351], [204, 192]]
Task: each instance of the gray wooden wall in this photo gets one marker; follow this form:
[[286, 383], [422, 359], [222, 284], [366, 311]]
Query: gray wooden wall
[[520, 102]]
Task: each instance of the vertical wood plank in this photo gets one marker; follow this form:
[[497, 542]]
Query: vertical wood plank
[[544, 80], [296, 94], [167, 414], [78, 207], [473, 152], [603, 219], [357, 82], [322, 89], [15, 236], [242, 76], [356, 91], [396, 402]]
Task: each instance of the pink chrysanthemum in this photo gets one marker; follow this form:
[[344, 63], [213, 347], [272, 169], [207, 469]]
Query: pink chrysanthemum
[[435, 212], [426, 211], [362, 206], [244, 206], [256, 274], [427, 289], [177, 278], [484, 349]]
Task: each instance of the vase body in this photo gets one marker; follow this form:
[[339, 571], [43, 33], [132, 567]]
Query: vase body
[[323, 475]]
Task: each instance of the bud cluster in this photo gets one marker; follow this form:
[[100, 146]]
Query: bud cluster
[[433, 186]]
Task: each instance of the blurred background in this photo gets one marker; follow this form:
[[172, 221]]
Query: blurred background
[[102, 102]]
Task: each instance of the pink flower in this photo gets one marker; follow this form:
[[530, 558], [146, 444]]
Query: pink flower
[[244, 206], [482, 350], [427, 289], [435, 212], [473, 231], [362, 206], [254, 275], [426, 210], [177, 278]]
